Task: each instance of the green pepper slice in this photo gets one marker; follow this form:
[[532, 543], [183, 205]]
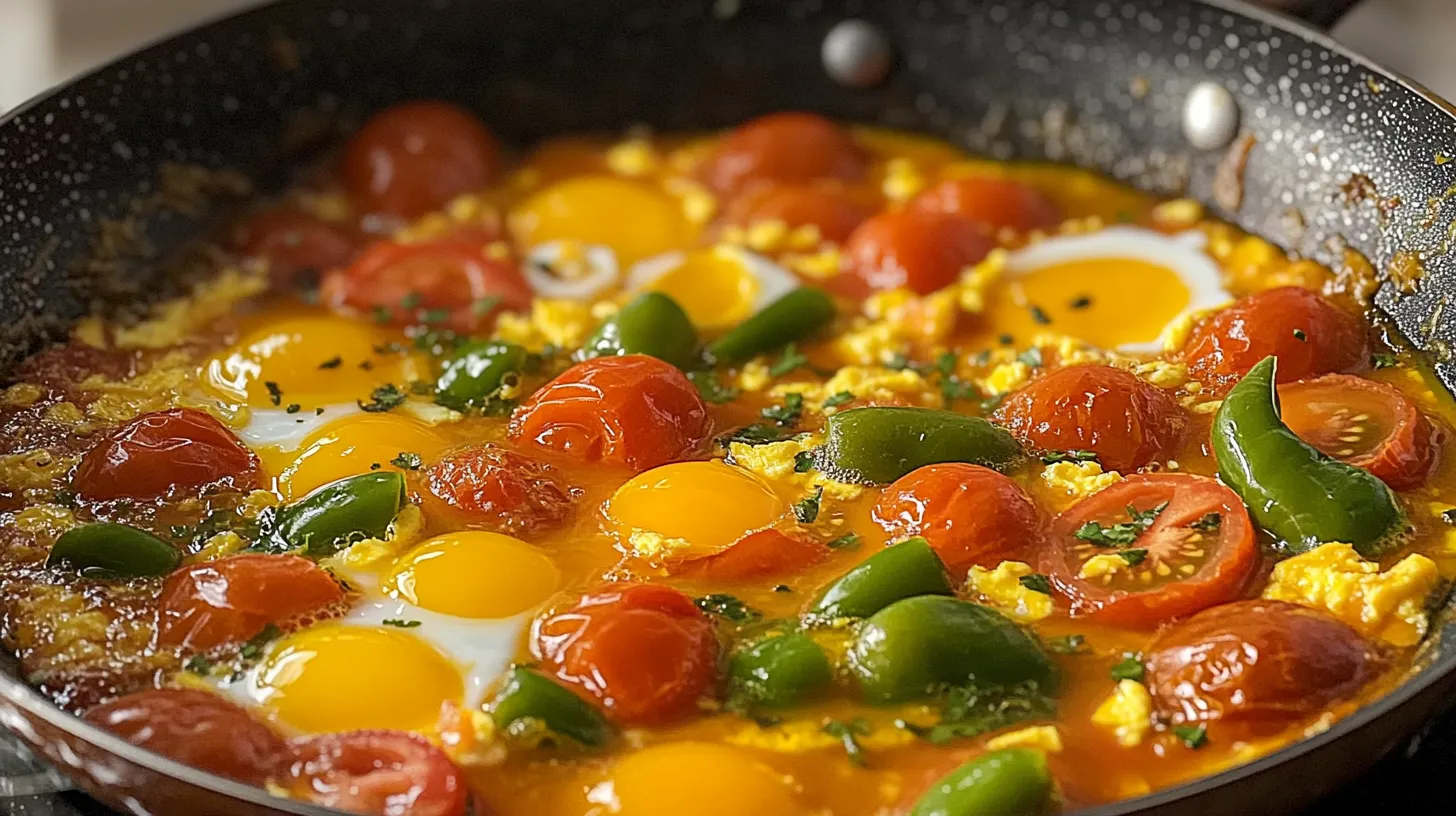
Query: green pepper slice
[[1009, 782], [900, 570], [329, 518], [528, 695], [1300, 495], [106, 549], [878, 445], [779, 671], [913, 647], [652, 324], [476, 371], [791, 318]]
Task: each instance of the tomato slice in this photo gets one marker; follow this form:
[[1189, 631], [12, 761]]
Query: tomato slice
[[450, 282], [1368, 424], [762, 554], [1181, 543], [377, 773], [181, 450], [232, 599]]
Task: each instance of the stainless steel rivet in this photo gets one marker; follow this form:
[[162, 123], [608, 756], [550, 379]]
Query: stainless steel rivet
[[1210, 116], [857, 54]]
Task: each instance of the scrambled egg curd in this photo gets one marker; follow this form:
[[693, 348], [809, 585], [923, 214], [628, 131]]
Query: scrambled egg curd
[[1389, 605], [1127, 712], [1002, 588]]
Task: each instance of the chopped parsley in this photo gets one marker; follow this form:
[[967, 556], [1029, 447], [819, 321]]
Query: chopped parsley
[[1054, 457], [1031, 357], [382, 314], [969, 711], [789, 359], [1036, 582], [407, 461], [318, 412], [1080, 302], [1209, 523], [1383, 359], [803, 462], [483, 307], [253, 649], [1129, 668], [198, 664], [849, 733], [1039, 316], [844, 542], [275, 394], [293, 408], [838, 399], [332, 362], [786, 415], [1133, 557], [755, 434], [1193, 736], [434, 315], [1006, 339], [782, 588], [67, 498], [402, 624], [1124, 533], [1067, 644], [1300, 335], [382, 399], [807, 508], [410, 300], [710, 389], [727, 606]]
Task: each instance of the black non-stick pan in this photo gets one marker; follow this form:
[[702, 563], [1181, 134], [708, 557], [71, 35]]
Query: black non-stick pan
[[98, 188]]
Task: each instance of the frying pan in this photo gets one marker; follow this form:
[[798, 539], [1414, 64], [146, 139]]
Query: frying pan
[[1152, 92]]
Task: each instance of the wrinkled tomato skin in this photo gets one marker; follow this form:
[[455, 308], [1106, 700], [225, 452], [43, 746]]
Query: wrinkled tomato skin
[[509, 491], [918, 250], [632, 411], [763, 554], [788, 147], [197, 728], [828, 207], [452, 275], [991, 202], [177, 451], [644, 652], [1127, 421], [1403, 460], [232, 599], [414, 157], [292, 243], [1260, 663], [971, 515], [377, 773], [1223, 348]]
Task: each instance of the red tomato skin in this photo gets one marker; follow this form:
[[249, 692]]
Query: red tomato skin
[[177, 451], [644, 652], [197, 728], [293, 242], [991, 202], [414, 157], [1405, 460], [1127, 421], [231, 599], [971, 515], [377, 773], [1223, 348], [633, 411], [508, 491], [786, 147], [827, 206], [763, 554], [452, 275], [922, 251]]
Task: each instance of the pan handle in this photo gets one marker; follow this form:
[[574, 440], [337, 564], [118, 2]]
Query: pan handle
[[1322, 14]]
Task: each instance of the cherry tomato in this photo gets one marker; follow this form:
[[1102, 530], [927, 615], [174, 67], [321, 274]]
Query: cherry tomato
[[971, 515], [197, 728], [416, 156], [991, 202], [783, 147], [923, 251], [763, 554], [827, 206], [377, 773], [1125, 420], [449, 281], [1183, 543], [635, 411], [1255, 662], [1368, 424], [293, 242], [1308, 335], [232, 599], [180, 450], [511, 492], [644, 651]]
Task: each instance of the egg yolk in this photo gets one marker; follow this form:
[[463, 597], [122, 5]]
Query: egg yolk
[[338, 678], [704, 779], [633, 219], [709, 505], [474, 574], [714, 286], [355, 444]]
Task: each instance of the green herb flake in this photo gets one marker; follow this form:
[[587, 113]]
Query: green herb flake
[[275, 394], [381, 314], [1006, 340], [1113, 535], [434, 315], [1383, 359], [1054, 457], [1209, 523], [803, 461], [1031, 357], [483, 306], [1130, 667], [727, 606], [1133, 557], [253, 649], [807, 508], [332, 362], [1080, 302], [1300, 335], [293, 408], [198, 664], [1036, 582], [786, 415], [838, 399], [410, 300], [1039, 316], [789, 359], [402, 624], [69, 499], [1067, 644], [849, 733], [782, 588], [844, 542], [1193, 736], [755, 434], [382, 399], [407, 461], [970, 711], [710, 389]]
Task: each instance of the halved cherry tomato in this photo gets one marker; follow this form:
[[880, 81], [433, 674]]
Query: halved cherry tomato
[[409, 282], [198, 728], [180, 450], [511, 492], [414, 157], [293, 242], [783, 147], [377, 773], [1307, 333], [1368, 424], [1125, 420], [1182, 543], [971, 515], [826, 205], [635, 411], [923, 251], [232, 599], [991, 202], [763, 554], [643, 651]]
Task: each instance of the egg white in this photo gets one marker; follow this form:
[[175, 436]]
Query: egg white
[[773, 280], [276, 428], [600, 271]]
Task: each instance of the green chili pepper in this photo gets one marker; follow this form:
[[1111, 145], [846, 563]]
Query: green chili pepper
[[779, 671], [913, 647], [898, 571], [879, 445], [476, 372], [104, 549], [1009, 782], [1294, 491], [527, 695], [791, 318], [329, 518], [652, 324]]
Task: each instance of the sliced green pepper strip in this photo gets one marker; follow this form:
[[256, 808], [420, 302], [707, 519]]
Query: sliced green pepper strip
[[105, 549], [1301, 496], [1009, 782], [329, 518], [476, 372], [791, 318], [878, 445], [528, 695], [779, 671], [898, 571], [652, 324], [912, 648]]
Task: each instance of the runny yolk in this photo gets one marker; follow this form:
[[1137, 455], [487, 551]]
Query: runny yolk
[[474, 574], [632, 219], [714, 286], [708, 505], [704, 779], [359, 443]]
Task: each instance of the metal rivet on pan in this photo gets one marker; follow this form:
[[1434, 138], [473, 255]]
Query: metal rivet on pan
[[1210, 116], [857, 54]]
